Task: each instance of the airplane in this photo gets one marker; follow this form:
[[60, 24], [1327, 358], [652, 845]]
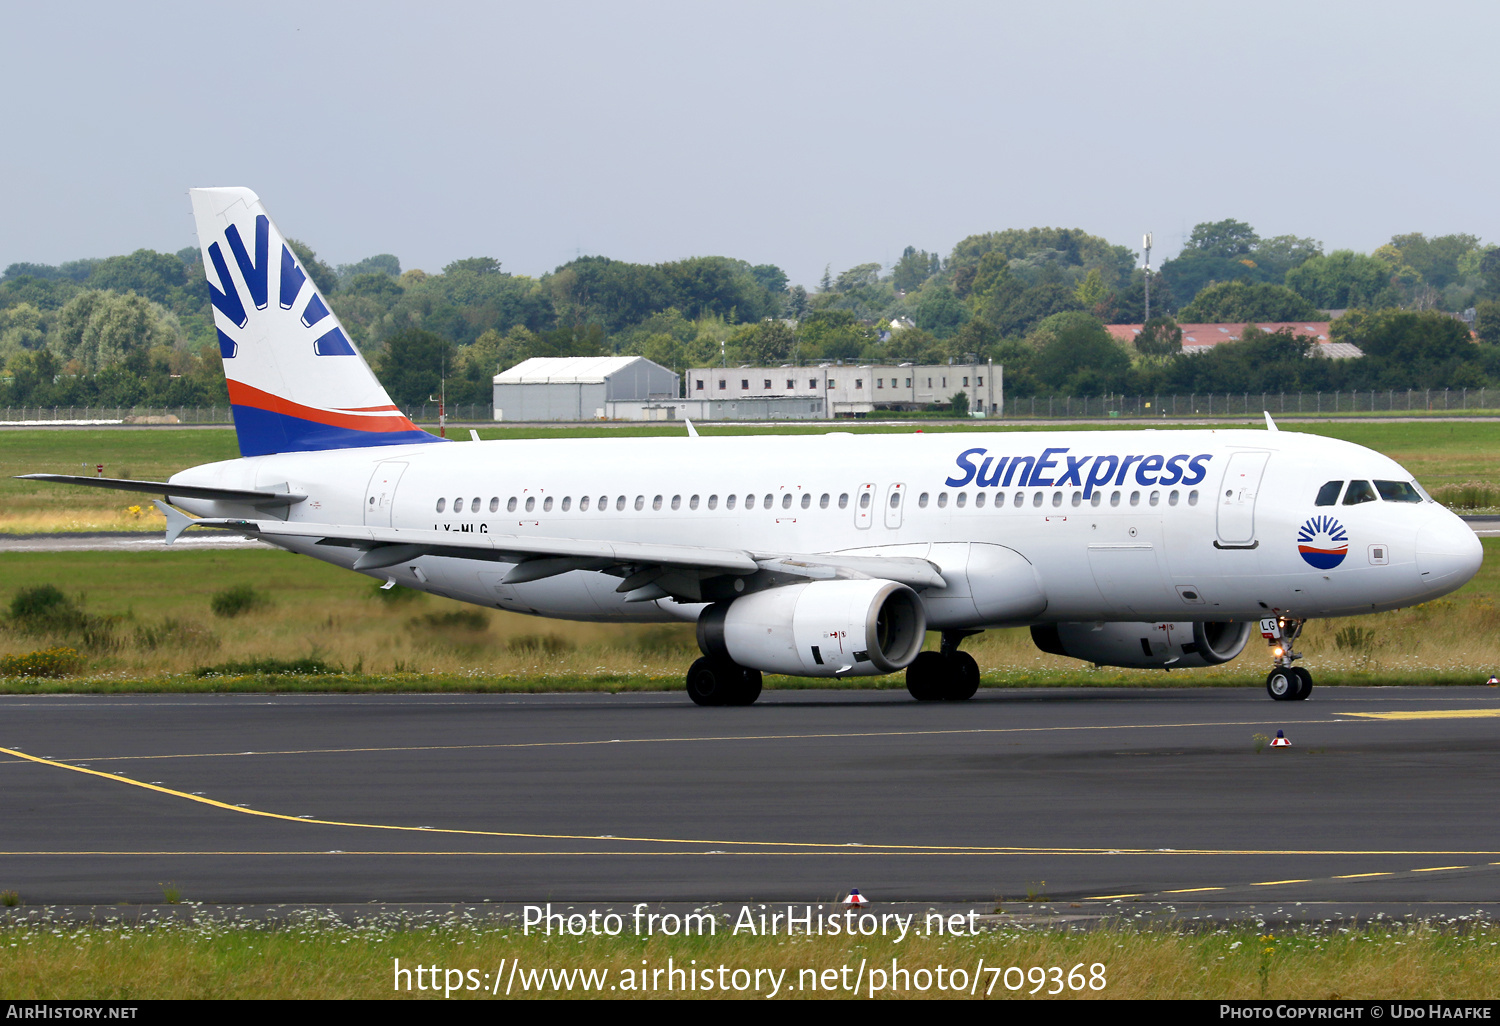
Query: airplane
[[815, 556]]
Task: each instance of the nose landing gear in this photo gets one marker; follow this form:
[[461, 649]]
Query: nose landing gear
[[1285, 682]]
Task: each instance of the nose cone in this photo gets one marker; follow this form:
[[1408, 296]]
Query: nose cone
[[1448, 554]]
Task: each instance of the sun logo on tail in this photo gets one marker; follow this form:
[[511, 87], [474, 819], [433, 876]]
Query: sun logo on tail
[[1323, 542]]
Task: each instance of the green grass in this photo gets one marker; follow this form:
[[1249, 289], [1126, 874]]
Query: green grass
[[145, 622], [316, 957]]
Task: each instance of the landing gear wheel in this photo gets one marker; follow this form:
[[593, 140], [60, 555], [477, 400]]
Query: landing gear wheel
[[746, 689], [963, 677], [1304, 683], [925, 676], [1283, 684], [712, 681]]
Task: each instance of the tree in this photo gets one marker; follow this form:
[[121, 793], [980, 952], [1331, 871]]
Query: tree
[[960, 404], [1409, 337], [1340, 280], [1236, 301], [413, 364], [101, 329], [914, 268], [157, 276], [1160, 336], [1075, 354], [1227, 238], [1487, 321], [382, 263]]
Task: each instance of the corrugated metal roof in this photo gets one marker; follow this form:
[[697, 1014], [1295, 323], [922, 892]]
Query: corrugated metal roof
[[1197, 338], [567, 370]]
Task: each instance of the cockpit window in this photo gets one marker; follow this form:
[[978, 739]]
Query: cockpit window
[[1359, 491], [1328, 495], [1398, 491]]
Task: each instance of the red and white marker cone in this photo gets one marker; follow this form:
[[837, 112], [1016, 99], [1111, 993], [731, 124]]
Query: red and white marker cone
[[1494, 681], [856, 898], [1280, 741]]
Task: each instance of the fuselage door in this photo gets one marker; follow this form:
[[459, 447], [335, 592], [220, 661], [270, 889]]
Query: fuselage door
[[380, 497], [864, 506], [895, 496], [1237, 498]]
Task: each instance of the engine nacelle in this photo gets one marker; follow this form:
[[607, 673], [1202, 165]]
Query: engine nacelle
[[1145, 645], [820, 629]]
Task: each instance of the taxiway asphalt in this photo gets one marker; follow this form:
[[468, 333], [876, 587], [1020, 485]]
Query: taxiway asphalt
[[1078, 795]]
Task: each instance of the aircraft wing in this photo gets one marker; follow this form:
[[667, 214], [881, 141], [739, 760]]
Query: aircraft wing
[[125, 484], [650, 570]]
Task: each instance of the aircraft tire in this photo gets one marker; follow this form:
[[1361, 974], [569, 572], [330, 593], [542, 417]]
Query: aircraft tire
[[962, 679], [925, 676], [714, 681], [1304, 683], [746, 688], [1283, 684]]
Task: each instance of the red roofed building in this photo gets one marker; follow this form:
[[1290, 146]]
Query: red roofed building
[[1199, 338]]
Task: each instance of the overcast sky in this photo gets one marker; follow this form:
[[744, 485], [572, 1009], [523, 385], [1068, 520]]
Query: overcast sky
[[800, 134]]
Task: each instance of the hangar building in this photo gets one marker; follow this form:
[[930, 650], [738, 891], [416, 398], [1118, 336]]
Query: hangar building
[[578, 387]]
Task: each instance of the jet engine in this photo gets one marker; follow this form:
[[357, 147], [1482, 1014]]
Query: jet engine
[[1159, 645], [820, 629]]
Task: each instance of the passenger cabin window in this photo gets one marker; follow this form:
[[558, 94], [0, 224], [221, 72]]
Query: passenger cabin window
[[693, 502], [1398, 491], [999, 499], [495, 504], [823, 501], [656, 502], [942, 499], [864, 500], [749, 502], [583, 505], [458, 505], [530, 503], [1328, 495], [922, 500], [979, 500], [713, 501], [547, 504], [843, 500], [729, 501], [767, 501], [474, 506], [567, 503], [1359, 491], [676, 502], [961, 499], [786, 501], [1036, 499], [441, 504], [640, 503], [620, 503], [807, 500], [510, 507]]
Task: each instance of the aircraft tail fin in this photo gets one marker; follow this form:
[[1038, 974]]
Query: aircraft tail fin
[[296, 382]]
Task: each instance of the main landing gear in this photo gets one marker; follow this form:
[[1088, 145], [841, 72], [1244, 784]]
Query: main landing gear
[[946, 675], [1285, 682], [715, 681]]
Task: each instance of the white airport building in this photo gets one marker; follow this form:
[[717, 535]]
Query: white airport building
[[855, 390]]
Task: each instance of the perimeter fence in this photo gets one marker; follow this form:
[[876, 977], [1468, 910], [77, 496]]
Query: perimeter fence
[[1195, 405]]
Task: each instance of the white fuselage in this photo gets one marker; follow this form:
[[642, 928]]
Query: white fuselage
[[1118, 525]]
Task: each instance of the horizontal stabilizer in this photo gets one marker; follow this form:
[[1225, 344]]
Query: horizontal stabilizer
[[166, 488]]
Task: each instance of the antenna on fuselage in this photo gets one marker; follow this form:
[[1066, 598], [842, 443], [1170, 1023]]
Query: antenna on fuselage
[[1270, 424], [692, 431]]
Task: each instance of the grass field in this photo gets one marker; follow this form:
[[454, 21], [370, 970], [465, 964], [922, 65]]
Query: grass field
[[317, 959], [1438, 452], [151, 625]]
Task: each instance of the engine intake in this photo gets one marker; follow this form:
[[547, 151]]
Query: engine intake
[[820, 629], [1145, 645]]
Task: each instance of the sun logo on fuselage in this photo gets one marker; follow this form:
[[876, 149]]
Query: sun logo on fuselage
[[1323, 542]]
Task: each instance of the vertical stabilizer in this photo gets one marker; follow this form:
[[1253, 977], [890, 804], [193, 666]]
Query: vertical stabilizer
[[296, 382]]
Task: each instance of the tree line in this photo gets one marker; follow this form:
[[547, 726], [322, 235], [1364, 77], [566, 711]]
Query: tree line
[[137, 329]]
